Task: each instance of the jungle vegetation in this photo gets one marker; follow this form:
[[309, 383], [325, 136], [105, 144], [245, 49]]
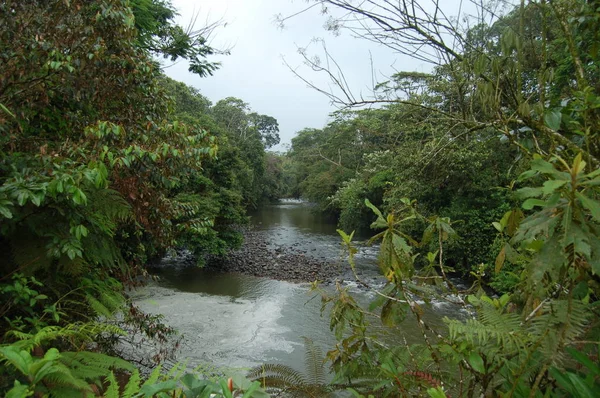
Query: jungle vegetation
[[105, 164], [488, 166]]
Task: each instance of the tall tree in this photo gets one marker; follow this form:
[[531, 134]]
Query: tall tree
[[158, 34]]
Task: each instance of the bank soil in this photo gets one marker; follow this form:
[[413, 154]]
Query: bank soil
[[257, 257]]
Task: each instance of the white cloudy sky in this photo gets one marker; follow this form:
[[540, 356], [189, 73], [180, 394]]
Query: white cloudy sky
[[255, 71]]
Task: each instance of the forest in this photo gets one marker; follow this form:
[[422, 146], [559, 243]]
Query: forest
[[486, 168]]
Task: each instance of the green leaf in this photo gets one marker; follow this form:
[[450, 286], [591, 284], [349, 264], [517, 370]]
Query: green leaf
[[585, 361], [561, 379], [476, 362], [153, 389], [354, 392], [552, 119], [590, 204], [19, 359], [531, 203], [5, 212], [578, 164], [374, 209], [527, 175], [225, 389], [552, 185], [79, 197], [498, 226], [345, 237], [529, 192], [400, 245], [18, 391], [22, 196], [500, 260], [547, 168], [583, 390], [6, 110], [251, 389], [436, 392]]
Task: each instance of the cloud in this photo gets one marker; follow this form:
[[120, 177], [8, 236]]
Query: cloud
[[255, 71]]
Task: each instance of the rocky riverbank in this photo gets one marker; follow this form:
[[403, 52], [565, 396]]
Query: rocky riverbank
[[259, 258]]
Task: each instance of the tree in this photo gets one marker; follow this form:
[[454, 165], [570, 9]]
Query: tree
[[159, 35], [90, 166], [497, 80], [485, 92], [251, 133], [267, 128]]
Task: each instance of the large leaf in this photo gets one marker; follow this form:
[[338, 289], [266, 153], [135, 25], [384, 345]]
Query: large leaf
[[529, 192], [380, 222], [592, 205], [18, 391], [476, 362], [151, 390], [552, 185], [500, 259], [552, 119], [583, 359], [19, 359], [548, 168], [531, 203]]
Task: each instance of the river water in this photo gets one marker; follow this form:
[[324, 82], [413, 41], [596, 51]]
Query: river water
[[239, 321]]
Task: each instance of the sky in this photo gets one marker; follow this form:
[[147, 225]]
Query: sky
[[255, 70]]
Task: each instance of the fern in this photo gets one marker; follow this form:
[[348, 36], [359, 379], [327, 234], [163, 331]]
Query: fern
[[112, 391], [279, 377], [133, 385], [40, 372], [313, 362], [154, 376], [558, 325], [493, 328], [92, 365], [75, 332]]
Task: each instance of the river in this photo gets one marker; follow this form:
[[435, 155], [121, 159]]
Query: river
[[239, 321]]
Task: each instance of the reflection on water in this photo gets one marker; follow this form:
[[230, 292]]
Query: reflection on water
[[233, 320], [194, 280], [294, 215], [247, 322]]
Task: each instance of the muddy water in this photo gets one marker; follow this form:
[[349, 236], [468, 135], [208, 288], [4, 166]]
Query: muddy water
[[238, 321]]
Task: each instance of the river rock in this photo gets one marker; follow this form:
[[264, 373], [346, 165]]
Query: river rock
[[256, 257]]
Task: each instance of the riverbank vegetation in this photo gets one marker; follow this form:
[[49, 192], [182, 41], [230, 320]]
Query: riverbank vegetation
[[487, 166], [105, 164]]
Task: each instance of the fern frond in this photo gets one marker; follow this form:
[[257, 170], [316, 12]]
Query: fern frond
[[559, 323], [106, 208], [313, 362], [112, 391], [276, 375], [177, 370], [62, 375], [86, 360], [133, 385], [103, 252], [97, 306], [493, 329], [75, 331], [66, 392], [154, 376]]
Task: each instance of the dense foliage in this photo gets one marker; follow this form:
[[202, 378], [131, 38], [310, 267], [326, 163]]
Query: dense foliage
[[97, 177], [488, 165], [497, 150]]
